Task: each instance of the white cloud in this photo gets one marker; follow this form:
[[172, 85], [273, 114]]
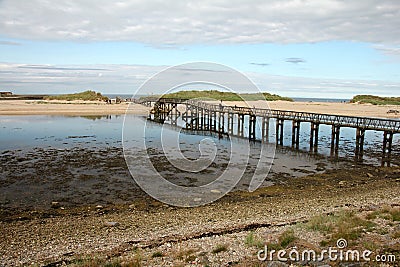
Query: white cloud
[[47, 79], [169, 23], [388, 50], [321, 88]]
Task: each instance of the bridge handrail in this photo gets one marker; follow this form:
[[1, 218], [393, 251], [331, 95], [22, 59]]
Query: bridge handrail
[[330, 119], [344, 120]]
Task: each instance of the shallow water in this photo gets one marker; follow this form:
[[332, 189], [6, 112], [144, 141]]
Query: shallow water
[[79, 160]]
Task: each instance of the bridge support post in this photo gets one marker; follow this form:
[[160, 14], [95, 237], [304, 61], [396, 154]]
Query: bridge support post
[[295, 133], [200, 117], [387, 147], [240, 124], [221, 122], [173, 114], [203, 119], [314, 136], [196, 117], [265, 129], [252, 127], [212, 121], [230, 123], [335, 139], [360, 134], [279, 131], [206, 118]]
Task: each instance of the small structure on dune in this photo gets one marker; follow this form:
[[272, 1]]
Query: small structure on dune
[[6, 94]]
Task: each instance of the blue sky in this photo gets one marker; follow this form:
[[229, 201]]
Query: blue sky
[[298, 48]]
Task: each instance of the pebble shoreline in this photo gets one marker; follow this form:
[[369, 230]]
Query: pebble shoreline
[[62, 236]]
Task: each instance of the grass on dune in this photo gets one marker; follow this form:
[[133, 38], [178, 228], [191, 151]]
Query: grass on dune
[[86, 96], [224, 96], [376, 100]]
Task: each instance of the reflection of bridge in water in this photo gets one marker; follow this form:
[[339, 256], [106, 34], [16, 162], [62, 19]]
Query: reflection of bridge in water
[[231, 120]]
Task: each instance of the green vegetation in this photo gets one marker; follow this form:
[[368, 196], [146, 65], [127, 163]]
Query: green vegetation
[[285, 240], [341, 225], [375, 100], [186, 255], [224, 96], [86, 96], [391, 214], [253, 241], [219, 248], [157, 254], [97, 262]]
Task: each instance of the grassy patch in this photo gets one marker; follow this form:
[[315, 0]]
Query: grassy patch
[[185, 255], [224, 96], [391, 214], [395, 214], [370, 245], [322, 223], [376, 100], [220, 248], [287, 238], [396, 234], [341, 225], [157, 254], [253, 241], [86, 96], [96, 262], [274, 246]]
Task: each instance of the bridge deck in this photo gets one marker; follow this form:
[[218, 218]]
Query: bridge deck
[[378, 124]]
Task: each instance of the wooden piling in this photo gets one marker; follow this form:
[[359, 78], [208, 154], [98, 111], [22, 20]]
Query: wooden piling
[[360, 135], [265, 130], [314, 131], [295, 133], [279, 131], [252, 127], [387, 147], [335, 139]]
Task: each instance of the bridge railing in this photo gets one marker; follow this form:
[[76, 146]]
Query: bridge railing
[[379, 124]]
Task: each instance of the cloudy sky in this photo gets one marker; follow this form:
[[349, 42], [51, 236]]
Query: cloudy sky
[[297, 48]]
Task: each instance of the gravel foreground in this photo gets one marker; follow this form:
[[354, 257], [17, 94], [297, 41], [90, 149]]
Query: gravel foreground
[[150, 233]]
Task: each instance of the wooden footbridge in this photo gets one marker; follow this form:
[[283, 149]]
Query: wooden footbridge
[[230, 120]]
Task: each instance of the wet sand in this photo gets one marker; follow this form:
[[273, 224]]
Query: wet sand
[[54, 107], [24, 107]]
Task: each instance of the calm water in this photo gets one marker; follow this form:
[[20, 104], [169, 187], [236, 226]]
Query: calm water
[[79, 160]]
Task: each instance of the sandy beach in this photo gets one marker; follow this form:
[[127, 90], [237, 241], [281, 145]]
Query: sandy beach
[[54, 107], [24, 107]]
